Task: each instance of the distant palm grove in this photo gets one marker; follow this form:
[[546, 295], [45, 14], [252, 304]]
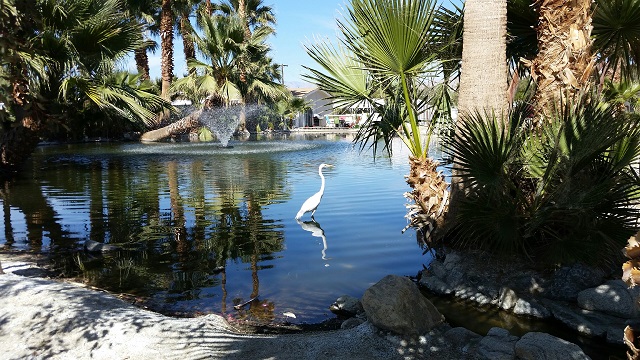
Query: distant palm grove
[[61, 75], [544, 150]]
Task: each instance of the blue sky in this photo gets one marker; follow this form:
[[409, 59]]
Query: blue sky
[[298, 22]]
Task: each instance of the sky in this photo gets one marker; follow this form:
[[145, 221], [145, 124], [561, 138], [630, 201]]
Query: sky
[[298, 22]]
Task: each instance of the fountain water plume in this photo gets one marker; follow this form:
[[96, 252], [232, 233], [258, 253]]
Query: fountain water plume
[[224, 121]]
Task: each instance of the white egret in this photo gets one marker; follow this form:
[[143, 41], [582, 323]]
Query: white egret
[[312, 203]]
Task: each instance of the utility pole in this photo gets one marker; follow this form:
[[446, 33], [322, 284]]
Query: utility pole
[[282, 73]]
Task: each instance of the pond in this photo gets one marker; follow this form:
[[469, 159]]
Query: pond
[[202, 229]]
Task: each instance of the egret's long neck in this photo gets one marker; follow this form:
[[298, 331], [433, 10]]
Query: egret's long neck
[[322, 184]]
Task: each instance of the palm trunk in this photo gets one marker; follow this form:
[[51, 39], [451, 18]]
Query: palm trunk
[[166, 36], [564, 62], [17, 143], [430, 197], [483, 80], [181, 126], [187, 40], [142, 62]]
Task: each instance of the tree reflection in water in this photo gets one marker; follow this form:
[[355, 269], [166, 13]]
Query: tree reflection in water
[[179, 222]]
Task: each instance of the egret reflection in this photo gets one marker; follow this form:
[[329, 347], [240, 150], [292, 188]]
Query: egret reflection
[[314, 228]]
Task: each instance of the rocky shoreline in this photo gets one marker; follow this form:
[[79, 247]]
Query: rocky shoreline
[[589, 301], [393, 314]]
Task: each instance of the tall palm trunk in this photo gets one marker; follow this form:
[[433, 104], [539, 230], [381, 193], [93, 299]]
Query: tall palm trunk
[[187, 40], [166, 36], [483, 78], [565, 60]]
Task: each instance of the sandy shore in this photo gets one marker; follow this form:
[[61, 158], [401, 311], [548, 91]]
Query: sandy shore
[[50, 319]]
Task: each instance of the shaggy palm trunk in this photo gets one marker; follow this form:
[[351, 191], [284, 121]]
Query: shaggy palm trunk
[[429, 197], [166, 36], [631, 275], [187, 40], [142, 62], [564, 62], [182, 126]]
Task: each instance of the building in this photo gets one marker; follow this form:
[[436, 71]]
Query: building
[[321, 106]]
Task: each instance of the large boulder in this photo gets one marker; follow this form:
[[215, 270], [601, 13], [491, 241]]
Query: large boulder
[[542, 346], [612, 297], [395, 303]]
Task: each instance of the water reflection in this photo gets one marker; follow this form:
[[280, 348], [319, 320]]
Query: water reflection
[[199, 229], [314, 228]]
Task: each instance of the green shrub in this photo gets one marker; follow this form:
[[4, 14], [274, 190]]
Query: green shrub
[[562, 193]]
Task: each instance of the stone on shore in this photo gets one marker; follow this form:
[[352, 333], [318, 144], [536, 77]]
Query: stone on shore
[[613, 297], [542, 346], [347, 305], [497, 345], [395, 304]]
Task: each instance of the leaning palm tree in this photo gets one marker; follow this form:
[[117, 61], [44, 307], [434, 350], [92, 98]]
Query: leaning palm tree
[[387, 47], [218, 79]]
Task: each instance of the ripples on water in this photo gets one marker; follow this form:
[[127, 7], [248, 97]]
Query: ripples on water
[[203, 229]]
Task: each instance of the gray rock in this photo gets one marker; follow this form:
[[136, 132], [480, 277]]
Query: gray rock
[[435, 285], [541, 346], [531, 308], [347, 305], [461, 338], [580, 320], [613, 297], [395, 303], [497, 345], [351, 323], [508, 298], [568, 281]]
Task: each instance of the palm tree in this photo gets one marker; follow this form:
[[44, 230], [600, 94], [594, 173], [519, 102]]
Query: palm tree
[[144, 11], [564, 62], [185, 9], [66, 49], [217, 80], [389, 47], [166, 45]]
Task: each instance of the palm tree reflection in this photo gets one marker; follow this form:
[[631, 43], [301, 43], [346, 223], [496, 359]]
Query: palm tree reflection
[[314, 228]]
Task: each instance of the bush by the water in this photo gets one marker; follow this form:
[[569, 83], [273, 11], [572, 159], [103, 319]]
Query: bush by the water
[[564, 192]]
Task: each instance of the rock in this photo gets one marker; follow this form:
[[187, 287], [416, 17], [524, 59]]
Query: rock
[[580, 320], [497, 345], [435, 285], [507, 299], [531, 308], [613, 297], [351, 323], [461, 338], [568, 281], [96, 247], [541, 346], [395, 303], [347, 305]]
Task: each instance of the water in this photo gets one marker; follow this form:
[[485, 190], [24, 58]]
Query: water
[[203, 228], [224, 121]]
